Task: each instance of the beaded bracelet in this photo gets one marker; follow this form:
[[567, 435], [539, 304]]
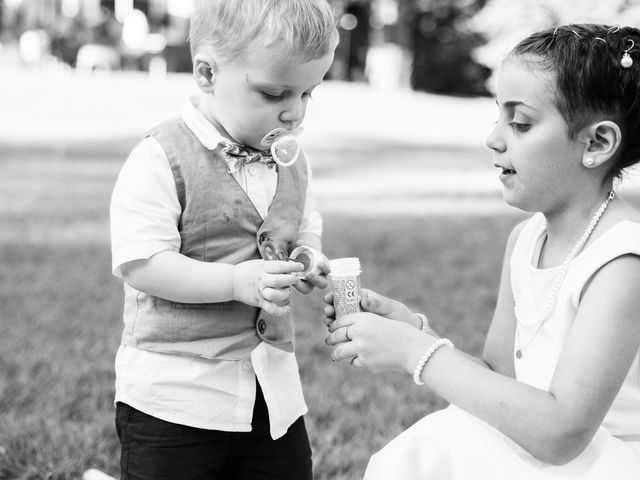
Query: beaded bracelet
[[427, 355], [424, 322]]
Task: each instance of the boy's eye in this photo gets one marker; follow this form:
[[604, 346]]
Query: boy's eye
[[520, 127], [272, 97]]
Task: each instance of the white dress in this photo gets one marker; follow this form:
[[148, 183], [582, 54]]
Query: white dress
[[452, 444]]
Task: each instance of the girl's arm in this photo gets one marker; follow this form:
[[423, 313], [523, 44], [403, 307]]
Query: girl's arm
[[555, 425], [498, 347]]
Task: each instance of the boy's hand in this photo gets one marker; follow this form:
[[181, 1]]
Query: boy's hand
[[265, 284], [314, 279]]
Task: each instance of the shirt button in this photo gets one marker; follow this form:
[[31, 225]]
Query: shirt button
[[246, 365], [251, 170], [262, 326]]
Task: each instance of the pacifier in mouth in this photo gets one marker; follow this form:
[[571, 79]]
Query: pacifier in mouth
[[284, 146]]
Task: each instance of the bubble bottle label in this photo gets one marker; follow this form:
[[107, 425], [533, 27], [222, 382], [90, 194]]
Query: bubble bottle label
[[344, 274]]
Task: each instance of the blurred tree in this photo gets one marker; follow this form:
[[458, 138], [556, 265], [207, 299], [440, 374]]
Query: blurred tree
[[353, 27], [504, 22], [435, 32], [442, 46]]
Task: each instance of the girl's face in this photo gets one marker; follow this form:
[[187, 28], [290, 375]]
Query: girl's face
[[537, 158]]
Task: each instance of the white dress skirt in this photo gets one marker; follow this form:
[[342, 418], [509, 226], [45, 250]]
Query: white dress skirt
[[452, 444]]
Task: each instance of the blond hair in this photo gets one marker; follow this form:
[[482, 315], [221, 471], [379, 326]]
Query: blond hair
[[233, 28]]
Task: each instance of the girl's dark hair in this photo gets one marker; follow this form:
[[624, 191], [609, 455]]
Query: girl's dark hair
[[590, 79]]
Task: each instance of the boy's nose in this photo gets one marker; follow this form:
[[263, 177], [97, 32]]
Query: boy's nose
[[495, 141], [293, 114]]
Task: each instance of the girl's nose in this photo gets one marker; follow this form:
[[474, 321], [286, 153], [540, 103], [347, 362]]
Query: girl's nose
[[495, 141]]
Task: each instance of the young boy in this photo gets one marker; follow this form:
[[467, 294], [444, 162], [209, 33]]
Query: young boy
[[202, 221]]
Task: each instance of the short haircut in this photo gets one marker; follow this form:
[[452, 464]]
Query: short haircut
[[590, 81], [307, 28]]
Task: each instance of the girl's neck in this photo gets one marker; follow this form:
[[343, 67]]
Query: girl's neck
[[567, 223]]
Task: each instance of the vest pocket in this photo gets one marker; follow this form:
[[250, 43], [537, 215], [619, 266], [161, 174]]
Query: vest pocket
[[200, 306]]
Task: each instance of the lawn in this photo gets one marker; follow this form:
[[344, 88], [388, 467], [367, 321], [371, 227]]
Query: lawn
[[61, 312], [402, 180]]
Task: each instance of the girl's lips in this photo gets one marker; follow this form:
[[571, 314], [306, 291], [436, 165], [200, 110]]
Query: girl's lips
[[505, 170]]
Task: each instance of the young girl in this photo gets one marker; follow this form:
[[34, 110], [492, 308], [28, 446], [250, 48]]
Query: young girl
[[556, 394]]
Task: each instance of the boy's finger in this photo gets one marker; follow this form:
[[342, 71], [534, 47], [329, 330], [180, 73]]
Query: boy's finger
[[275, 310], [276, 295], [317, 281], [328, 298], [303, 286], [282, 280], [277, 266], [323, 265]]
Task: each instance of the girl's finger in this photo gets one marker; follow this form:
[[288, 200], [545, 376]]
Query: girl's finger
[[340, 335], [344, 351], [375, 303], [343, 321]]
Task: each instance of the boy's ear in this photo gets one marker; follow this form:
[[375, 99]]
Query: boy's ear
[[601, 140], [204, 71]]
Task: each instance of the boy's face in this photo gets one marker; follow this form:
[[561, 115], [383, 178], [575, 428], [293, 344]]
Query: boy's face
[[268, 90]]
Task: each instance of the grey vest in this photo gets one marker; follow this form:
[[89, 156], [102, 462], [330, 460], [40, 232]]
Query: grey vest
[[219, 223]]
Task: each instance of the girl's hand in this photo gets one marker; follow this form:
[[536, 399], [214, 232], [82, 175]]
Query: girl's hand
[[265, 284], [373, 302], [371, 341]]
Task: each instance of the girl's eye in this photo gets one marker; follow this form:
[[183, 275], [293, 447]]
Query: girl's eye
[[520, 127]]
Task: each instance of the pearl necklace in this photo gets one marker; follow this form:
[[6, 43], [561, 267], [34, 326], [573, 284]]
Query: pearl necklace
[[558, 280]]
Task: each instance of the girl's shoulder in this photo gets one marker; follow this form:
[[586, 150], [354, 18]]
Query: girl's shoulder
[[622, 211]]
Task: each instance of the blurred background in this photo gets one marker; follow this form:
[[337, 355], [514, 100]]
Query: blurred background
[[402, 177]]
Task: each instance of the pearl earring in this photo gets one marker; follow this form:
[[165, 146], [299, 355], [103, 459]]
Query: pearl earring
[[627, 61], [589, 162]]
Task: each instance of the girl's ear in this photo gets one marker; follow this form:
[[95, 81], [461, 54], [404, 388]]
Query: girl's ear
[[601, 140], [204, 71]]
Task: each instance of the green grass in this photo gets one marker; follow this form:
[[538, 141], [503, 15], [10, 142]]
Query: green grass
[[60, 312]]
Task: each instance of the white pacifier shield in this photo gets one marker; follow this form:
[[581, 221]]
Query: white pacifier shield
[[268, 139], [283, 145], [285, 150]]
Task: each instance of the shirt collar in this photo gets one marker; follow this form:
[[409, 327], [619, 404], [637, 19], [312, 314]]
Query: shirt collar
[[203, 129]]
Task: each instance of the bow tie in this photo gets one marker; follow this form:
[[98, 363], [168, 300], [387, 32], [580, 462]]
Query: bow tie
[[238, 156]]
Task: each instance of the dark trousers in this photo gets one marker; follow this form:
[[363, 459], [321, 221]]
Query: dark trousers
[[152, 449]]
